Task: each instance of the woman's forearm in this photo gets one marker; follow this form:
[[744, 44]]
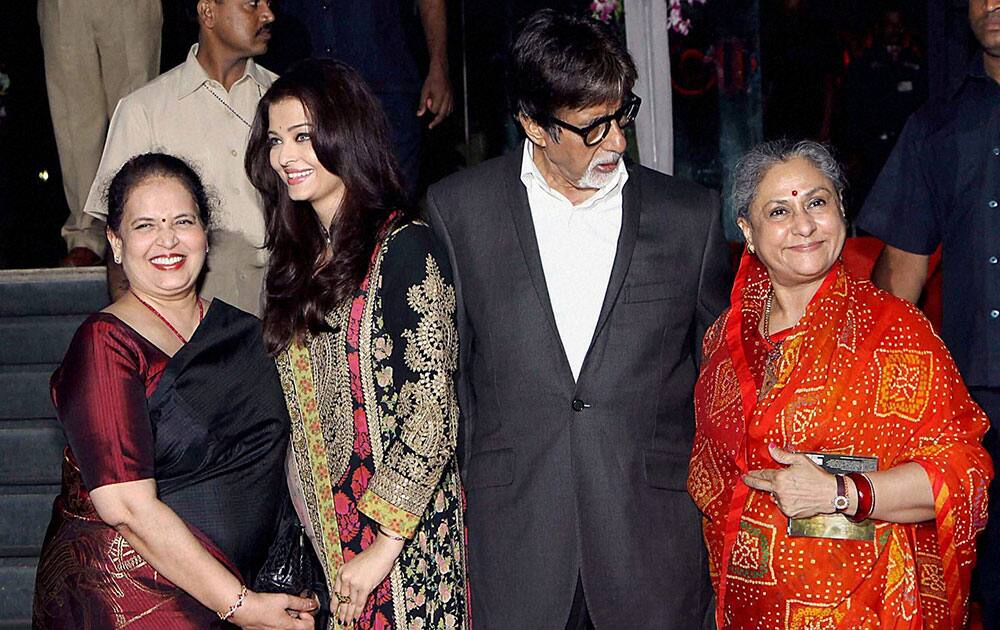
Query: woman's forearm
[[902, 495], [166, 543]]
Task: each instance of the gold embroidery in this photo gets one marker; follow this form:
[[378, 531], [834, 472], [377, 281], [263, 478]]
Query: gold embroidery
[[426, 409]]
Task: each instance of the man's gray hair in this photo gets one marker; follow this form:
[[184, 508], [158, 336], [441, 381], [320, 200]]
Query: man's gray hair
[[755, 164]]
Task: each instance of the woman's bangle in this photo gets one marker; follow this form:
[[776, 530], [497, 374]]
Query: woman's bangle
[[232, 609], [866, 496], [390, 536]]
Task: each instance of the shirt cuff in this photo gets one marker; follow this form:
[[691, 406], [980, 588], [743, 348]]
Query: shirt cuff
[[388, 515]]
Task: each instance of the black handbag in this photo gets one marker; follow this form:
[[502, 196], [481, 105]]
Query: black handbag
[[291, 565]]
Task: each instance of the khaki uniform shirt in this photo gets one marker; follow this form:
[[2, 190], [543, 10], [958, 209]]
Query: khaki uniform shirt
[[185, 113]]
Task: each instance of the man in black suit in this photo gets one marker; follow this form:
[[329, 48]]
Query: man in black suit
[[584, 288]]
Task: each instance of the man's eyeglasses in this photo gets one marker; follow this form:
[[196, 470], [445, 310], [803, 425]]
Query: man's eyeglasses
[[594, 133]]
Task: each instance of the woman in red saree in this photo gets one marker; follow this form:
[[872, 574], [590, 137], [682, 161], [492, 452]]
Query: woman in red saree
[[810, 359], [176, 429]]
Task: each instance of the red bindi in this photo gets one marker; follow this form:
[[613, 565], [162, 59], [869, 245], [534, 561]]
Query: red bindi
[[795, 193]]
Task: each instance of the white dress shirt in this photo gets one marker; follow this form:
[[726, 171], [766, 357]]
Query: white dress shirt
[[577, 246]]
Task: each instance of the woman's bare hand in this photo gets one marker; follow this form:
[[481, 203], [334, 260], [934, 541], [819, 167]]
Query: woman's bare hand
[[275, 611], [801, 489], [360, 575]]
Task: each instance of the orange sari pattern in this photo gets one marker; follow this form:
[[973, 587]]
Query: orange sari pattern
[[862, 373]]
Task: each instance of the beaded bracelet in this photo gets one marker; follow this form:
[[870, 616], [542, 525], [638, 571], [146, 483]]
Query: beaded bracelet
[[866, 497], [232, 609]]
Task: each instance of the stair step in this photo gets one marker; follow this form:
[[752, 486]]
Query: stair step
[[37, 338], [30, 451], [24, 391], [17, 583], [52, 291], [23, 519]]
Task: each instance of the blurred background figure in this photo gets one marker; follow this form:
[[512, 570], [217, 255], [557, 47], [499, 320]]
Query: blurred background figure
[[799, 69], [96, 52], [381, 41], [884, 84]]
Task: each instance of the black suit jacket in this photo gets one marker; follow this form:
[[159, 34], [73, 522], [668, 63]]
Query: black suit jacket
[[589, 477]]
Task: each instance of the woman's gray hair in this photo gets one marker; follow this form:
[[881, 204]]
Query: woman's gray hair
[[754, 165]]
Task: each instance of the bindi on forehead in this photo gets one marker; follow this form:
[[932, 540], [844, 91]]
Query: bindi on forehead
[[795, 193]]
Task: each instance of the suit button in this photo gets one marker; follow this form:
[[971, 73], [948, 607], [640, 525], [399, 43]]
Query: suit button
[[578, 405]]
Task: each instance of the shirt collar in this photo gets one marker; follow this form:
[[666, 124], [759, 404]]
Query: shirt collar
[[193, 75], [977, 67], [531, 176]]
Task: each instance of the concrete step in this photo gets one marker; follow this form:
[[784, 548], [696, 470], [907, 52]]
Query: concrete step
[[30, 452], [52, 291], [23, 520], [40, 311], [33, 339], [24, 391], [17, 583]]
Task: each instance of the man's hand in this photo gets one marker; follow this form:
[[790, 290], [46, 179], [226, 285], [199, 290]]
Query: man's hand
[[436, 96]]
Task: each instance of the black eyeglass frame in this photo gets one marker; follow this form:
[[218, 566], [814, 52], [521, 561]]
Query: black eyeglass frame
[[629, 107]]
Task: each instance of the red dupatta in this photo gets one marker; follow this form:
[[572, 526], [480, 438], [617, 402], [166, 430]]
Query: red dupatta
[[862, 373]]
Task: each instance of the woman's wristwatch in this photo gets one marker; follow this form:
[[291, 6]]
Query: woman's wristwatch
[[840, 502]]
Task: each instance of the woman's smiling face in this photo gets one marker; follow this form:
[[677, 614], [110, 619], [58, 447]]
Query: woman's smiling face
[[161, 240], [294, 159], [795, 223]]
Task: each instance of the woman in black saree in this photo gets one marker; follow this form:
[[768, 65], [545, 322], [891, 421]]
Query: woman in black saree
[[177, 432]]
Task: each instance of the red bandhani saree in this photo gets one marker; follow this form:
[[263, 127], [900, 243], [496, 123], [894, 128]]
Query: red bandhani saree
[[862, 373]]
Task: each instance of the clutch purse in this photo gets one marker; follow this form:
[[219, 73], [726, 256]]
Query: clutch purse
[[836, 525], [291, 565]]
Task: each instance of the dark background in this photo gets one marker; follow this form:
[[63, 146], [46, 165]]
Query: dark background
[[32, 207]]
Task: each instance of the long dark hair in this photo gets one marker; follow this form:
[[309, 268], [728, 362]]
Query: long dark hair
[[351, 140]]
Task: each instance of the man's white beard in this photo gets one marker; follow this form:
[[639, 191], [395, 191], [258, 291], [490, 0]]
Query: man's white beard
[[593, 178]]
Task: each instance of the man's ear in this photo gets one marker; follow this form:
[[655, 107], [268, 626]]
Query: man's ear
[[535, 132], [206, 13]]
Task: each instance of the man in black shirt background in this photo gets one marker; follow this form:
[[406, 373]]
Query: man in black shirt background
[[941, 186]]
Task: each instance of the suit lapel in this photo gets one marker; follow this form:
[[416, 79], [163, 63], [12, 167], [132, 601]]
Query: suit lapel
[[517, 201], [631, 211]]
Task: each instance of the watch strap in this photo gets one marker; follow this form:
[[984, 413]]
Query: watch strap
[[840, 502]]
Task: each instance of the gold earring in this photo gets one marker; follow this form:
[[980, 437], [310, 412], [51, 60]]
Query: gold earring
[[118, 258], [751, 249]]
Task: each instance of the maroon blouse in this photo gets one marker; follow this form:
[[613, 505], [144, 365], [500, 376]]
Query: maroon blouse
[[100, 394]]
